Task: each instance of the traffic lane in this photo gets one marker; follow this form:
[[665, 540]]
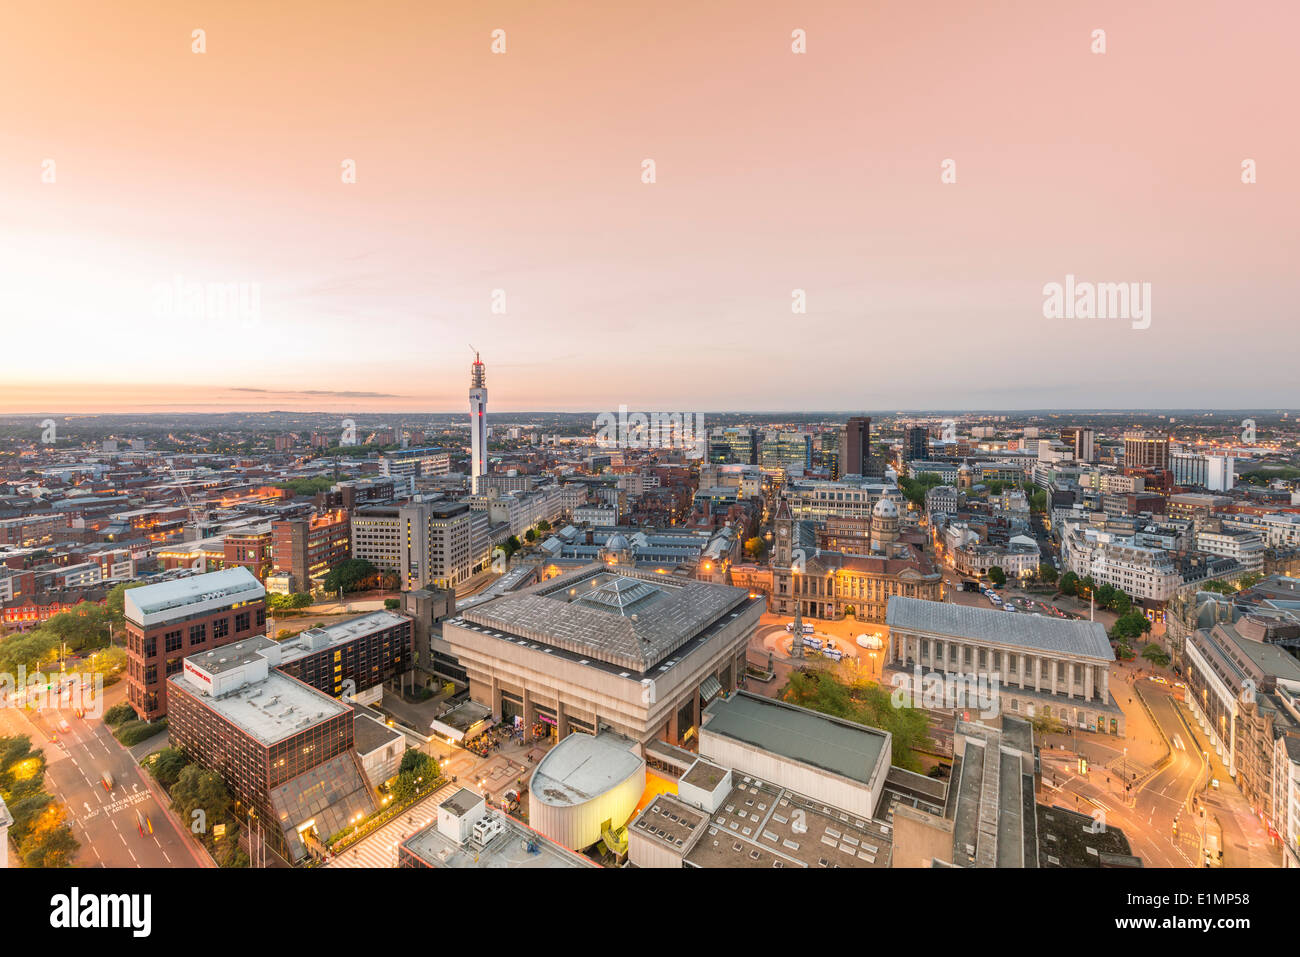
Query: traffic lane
[[106, 822], [1148, 825]]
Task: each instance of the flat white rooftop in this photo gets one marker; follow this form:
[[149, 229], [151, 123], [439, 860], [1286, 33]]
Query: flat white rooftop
[[339, 633], [272, 709], [150, 604]]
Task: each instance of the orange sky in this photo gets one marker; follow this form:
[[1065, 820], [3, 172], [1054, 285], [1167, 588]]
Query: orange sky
[[521, 172]]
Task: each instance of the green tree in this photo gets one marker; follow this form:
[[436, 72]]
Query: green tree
[[83, 626], [756, 547], [530, 536], [199, 790], [1156, 655], [863, 702], [1130, 625], [543, 526], [1047, 572], [29, 651], [50, 843], [349, 575], [115, 602], [997, 576], [108, 661], [1046, 724], [168, 765], [1069, 584], [120, 714], [307, 486]]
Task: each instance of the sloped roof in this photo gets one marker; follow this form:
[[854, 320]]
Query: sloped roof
[[1080, 638], [622, 616]]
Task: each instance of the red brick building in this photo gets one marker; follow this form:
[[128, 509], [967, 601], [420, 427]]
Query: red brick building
[[306, 548], [171, 620]]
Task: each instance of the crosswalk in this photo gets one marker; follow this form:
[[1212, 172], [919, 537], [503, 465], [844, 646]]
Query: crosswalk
[[380, 848]]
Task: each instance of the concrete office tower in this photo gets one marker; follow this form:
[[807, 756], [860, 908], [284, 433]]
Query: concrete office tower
[[1080, 441], [855, 447], [477, 422]]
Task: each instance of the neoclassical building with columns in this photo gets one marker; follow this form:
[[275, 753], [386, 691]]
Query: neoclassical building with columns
[[1042, 665]]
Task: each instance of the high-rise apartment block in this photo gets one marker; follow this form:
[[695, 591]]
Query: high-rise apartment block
[[916, 443], [1146, 450], [855, 447]]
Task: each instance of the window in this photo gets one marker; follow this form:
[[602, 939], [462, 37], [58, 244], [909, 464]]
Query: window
[[242, 621], [221, 628], [150, 648], [172, 640], [198, 634]]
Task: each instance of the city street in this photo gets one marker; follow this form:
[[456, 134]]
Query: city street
[[105, 822]]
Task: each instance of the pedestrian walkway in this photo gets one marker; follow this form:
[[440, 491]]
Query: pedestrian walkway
[[380, 848]]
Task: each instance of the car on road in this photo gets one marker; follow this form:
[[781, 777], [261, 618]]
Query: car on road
[[107, 781], [64, 726]]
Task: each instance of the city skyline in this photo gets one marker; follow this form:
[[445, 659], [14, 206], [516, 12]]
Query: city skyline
[[489, 181]]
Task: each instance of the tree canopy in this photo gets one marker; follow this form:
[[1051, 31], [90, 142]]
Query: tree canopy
[[353, 574]]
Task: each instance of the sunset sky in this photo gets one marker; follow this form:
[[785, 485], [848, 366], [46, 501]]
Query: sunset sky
[[522, 172]]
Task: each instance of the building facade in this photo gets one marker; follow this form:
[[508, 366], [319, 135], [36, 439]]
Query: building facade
[[167, 622]]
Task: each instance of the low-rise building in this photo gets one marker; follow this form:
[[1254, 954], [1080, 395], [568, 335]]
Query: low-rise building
[[468, 835]]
